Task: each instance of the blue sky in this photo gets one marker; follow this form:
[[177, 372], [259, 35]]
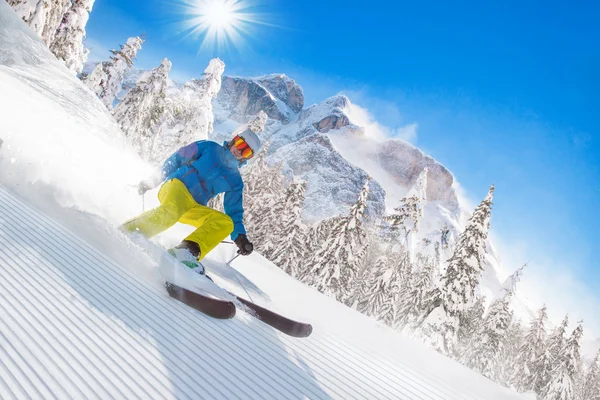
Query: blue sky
[[502, 92]]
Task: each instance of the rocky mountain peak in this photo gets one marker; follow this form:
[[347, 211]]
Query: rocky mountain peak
[[241, 97], [328, 115], [285, 89]]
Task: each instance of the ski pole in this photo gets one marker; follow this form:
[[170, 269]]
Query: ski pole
[[236, 277], [236, 256]]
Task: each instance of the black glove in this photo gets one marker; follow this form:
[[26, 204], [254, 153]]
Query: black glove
[[244, 245]]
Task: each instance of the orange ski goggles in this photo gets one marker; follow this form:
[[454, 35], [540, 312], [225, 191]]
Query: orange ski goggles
[[242, 146]]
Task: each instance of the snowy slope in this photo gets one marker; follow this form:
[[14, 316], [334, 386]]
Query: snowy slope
[[75, 323]]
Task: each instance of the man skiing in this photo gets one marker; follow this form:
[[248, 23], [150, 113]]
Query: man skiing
[[192, 176]]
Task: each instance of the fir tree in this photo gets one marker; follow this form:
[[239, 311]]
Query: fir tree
[[55, 13], [141, 112], [289, 250], [361, 289], [399, 275], [373, 292], [381, 287], [470, 323], [189, 115], [266, 209], [510, 283], [319, 232], [42, 16], [512, 342], [466, 264], [337, 263], [562, 383], [460, 280], [527, 370], [551, 357], [419, 297], [216, 203], [591, 383], [67, 45], [405, 221], [485, 353], [32, 12], [107, 78]]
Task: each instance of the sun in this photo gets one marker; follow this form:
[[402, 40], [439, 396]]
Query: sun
[[219, 23], [220, 15]]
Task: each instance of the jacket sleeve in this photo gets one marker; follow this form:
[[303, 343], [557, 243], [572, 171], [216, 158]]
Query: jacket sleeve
[[234, 207], [183, 156]]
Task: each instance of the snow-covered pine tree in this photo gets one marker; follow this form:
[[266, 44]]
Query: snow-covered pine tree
[[562, 383], [267, 207], [97, 79], [405, 221], [189, 115], [547, 363], [216, 203], [466, 264], [380, 286], [470, 325], [319, 232], [141, 112], [67, 44], [32, 12], [371, 290], [591, 383], [375, 254], [513, 340], [527, 370], [510, 283], [335, 266], [418, 298], [257, 123], [54, 16], [43, 16], [460, 279], [290, 245], [486, 349], [108, 82]]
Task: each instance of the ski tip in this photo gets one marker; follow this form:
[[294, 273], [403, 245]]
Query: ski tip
[[309, 330], [302, 331]]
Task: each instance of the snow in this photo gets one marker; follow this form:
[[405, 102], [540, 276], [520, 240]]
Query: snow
[[84, 313]]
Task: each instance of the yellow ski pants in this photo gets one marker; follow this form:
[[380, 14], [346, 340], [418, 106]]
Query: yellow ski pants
[[178, 205]]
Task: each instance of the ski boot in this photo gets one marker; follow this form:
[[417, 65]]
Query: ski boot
[[187, 253]]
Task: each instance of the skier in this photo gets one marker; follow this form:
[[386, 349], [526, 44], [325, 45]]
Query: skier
[[192, 176]]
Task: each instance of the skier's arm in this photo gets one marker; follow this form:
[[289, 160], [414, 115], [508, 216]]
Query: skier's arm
[[233, 204], [182, 156]]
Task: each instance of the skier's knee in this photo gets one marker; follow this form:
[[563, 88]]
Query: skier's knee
[[170, 214], [225, 224]]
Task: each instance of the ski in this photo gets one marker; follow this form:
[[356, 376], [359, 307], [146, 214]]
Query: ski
[[279, 322], [215, 308]]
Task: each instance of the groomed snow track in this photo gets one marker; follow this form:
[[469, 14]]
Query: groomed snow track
[[75, 324]]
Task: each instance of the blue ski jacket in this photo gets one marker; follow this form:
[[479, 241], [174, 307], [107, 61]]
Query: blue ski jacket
[[207, 168]]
